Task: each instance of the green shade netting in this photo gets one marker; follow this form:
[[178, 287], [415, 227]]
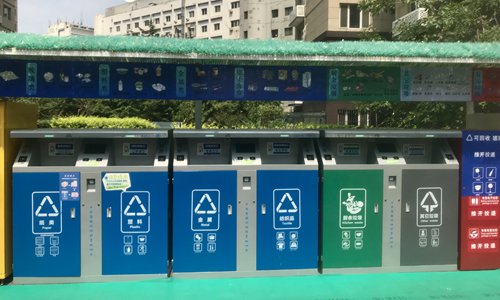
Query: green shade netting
[[278, 48]]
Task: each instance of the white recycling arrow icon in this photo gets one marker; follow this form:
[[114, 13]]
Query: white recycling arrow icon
[[54, 213], [143, 211], [429, 204], [213, 209], [290, 210]]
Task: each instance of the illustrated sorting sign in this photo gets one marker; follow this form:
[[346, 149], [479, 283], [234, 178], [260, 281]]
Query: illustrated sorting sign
[[160, 81], [480, 200], [435, 84], [363, 83], [486, 86], [63, 79]]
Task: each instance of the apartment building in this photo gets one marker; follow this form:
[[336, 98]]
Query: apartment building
[[266, 19], [8, 17], [172, 18], [228, 19], [69, 29]]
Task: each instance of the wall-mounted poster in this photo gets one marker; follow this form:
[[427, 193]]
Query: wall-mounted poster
[[436, 83], [486, 84], [363, 84]]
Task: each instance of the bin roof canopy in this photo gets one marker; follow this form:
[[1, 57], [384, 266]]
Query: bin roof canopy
[[272, 52]]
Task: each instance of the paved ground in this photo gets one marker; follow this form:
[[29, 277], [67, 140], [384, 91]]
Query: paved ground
[[438, 285]]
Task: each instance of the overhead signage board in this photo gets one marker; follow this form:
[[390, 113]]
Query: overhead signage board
[[363, 84], [486, 84], [436, 84]]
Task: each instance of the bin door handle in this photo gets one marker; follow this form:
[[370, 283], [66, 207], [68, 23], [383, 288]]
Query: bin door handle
[[263, 209], [229, 210], [73, 213], [108, 212], [407, 207], [375, 208]]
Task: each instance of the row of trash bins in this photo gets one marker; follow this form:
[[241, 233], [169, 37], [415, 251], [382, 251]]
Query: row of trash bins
[[94, 205]]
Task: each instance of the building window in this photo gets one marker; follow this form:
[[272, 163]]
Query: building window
[[7, 12], [245, 34], [274, 33], [204, 11], [352, 17], [288, 10], [167, 18], [147, 22], [235, 4], [216, 26], [351, 117], [288, 31], [128, 26], [157, 21], [245, 15], [217, 8], [274, 13], [136, 24], [235, 23], [179, 16], [117, 28], [204, 28], [191, 14], [192, 32]]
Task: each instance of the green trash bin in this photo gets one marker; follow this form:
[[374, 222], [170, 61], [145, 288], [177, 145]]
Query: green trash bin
[[352, 205]]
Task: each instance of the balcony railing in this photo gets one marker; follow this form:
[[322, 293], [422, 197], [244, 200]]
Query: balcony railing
[[296, 17], [410, 17]]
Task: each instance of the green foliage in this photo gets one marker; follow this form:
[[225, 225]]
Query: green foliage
[[423, 115], [447, 20], [97, 122]]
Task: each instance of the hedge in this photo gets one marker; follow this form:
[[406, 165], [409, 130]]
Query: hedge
[[96, 122]]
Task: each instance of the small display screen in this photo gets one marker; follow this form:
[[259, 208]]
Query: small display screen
[[245, 148], [95, 149], [387, 148]]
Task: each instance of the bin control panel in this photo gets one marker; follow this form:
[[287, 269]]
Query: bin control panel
[[343, 151], [387, 153], [24, 156], [427, 151], [93, 154], [245, 153]]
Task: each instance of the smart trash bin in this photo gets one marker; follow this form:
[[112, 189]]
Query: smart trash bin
[[390, 201], [90, 205], [245, 203]]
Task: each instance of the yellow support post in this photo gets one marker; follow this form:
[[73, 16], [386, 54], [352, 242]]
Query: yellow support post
[[12, 116]]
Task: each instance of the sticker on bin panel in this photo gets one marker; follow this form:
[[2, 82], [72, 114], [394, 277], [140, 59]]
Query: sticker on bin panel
[[429, 206], [352, 208], [135, 214], [46, 213], [205, 210], [286, 213]]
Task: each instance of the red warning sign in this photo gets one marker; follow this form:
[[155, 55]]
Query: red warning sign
[[482, 239], [483, 208]]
